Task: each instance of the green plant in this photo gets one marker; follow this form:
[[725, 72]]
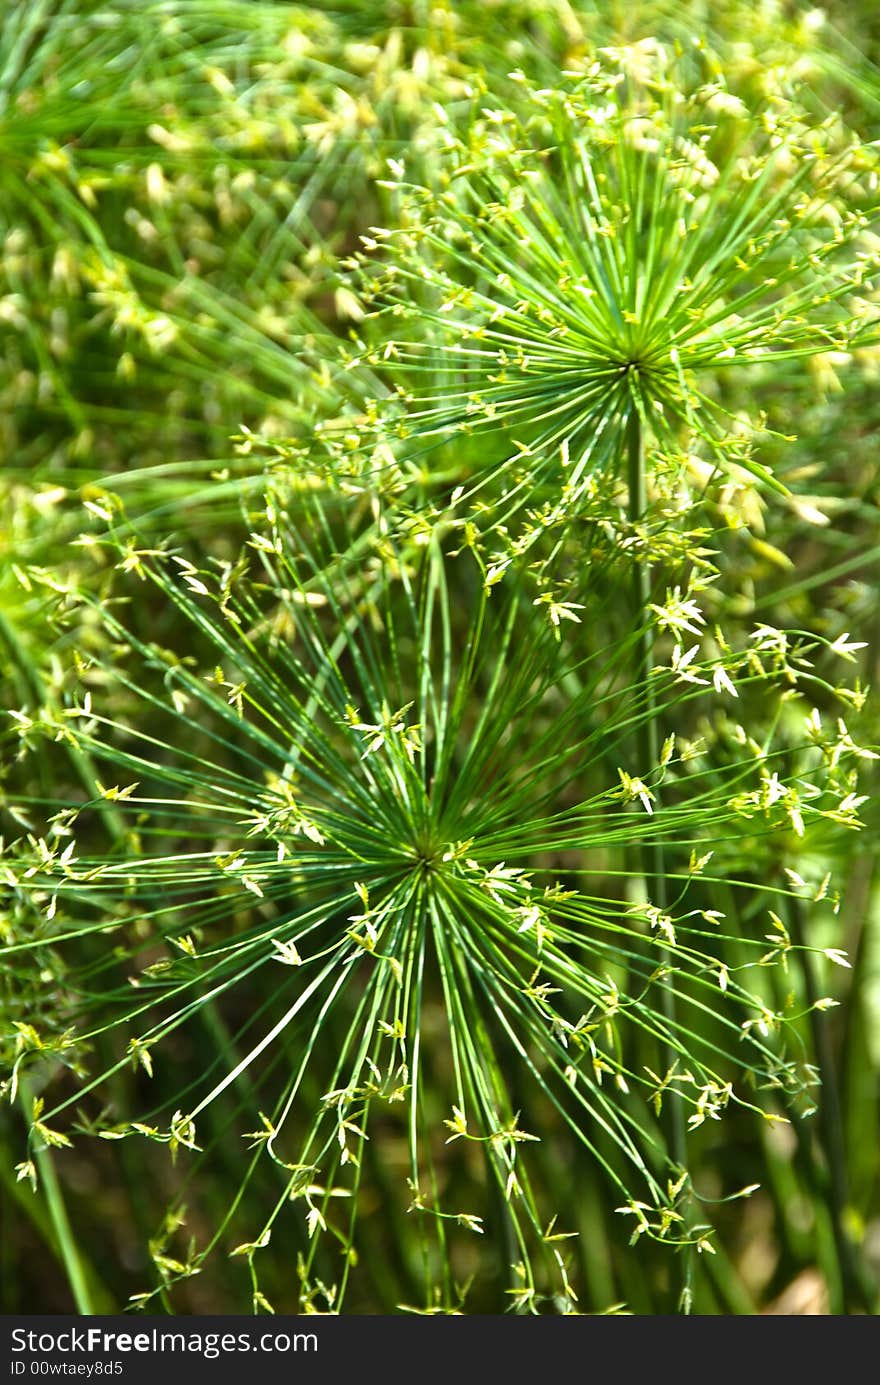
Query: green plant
[[461, 836], [392, 828]]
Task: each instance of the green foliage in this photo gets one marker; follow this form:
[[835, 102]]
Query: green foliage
[[603, 256], [428, 817]]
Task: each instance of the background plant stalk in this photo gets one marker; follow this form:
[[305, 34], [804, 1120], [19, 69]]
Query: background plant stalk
[[857, 1291]]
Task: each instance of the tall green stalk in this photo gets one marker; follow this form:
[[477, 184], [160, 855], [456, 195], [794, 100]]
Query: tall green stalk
[[60, 1221], [857, 1291], [651, 855]]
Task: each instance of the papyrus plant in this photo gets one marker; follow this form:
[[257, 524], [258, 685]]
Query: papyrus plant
[[459, 834], [596, 259], [378, 834]]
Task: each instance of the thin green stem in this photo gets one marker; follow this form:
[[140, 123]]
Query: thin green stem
[[60, 1221], [651, 853]]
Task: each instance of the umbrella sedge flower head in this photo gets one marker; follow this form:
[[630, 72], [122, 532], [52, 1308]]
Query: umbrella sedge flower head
[[611, 254], [366, 891]]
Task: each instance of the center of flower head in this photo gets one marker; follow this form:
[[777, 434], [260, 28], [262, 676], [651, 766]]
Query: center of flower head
[[428, 851]]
